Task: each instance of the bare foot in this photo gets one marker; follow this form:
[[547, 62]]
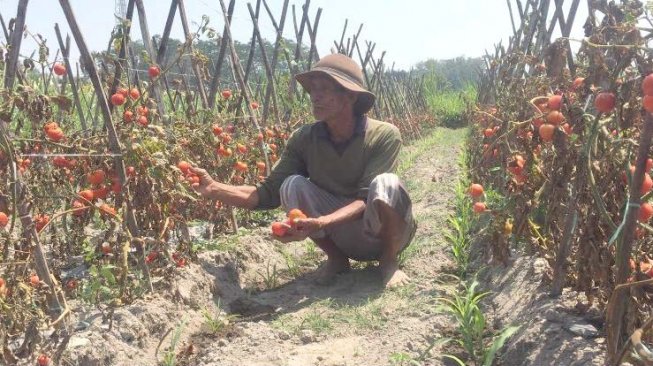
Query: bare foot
[[329, 270], [394, 277]]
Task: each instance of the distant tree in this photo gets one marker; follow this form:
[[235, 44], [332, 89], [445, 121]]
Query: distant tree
[[209, 51], [457, 72]]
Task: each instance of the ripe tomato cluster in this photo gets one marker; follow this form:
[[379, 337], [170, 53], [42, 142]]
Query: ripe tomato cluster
[[153, 71], [43, 360], [281, 228], [476, 192], [551, 115], [134, 111], [240, 151], [564, 112]]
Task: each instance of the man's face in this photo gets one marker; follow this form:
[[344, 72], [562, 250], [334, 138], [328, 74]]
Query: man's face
[[330, 100]]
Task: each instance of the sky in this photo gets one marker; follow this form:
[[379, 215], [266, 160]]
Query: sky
[[409, 31]]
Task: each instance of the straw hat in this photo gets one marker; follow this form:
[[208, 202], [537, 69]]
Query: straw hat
[[344, 71]]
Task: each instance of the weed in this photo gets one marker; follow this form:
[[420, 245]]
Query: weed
[[222, 244], [410, 252], [449, 105], [317, 322], [466, 311], [368, 316], [291, 263], [311, 255], [459, 227], [270, 277], [170, 356], [219, 321], [403, 359], [102, 285]]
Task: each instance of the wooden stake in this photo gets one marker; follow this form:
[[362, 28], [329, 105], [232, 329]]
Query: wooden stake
[[14, 48], [147, 42], [114, 143], [69, 73], [223, 48]]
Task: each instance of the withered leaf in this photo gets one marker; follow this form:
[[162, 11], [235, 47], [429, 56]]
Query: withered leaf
[[62, 101]]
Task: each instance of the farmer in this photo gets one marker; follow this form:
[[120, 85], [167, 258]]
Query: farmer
[[339, 172]]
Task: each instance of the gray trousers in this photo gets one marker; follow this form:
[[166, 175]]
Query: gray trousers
[[358, 239]]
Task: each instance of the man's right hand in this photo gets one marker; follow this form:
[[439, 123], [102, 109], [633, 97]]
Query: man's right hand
[[206, 184]]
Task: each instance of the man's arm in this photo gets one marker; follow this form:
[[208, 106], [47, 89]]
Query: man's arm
[[342, 215], [238, 196]]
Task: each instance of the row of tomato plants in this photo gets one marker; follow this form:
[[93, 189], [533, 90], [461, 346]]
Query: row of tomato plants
[[78, 202], [558, 154]]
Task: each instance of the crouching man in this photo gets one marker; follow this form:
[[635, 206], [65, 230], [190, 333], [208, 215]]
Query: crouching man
[[339, 172]]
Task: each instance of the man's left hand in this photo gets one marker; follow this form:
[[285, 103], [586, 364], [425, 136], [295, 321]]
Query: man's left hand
[[302, 229]]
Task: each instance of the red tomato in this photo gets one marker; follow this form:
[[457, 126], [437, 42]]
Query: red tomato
[[279, 229], [59, 69], [153, 71], [117, 99], [604, 102], [476, 190]]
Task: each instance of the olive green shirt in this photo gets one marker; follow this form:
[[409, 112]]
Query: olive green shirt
[[345, 169]]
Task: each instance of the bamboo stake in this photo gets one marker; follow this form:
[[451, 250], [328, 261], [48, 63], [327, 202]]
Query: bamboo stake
[[65, 51], [221, 54], [250, 58], [14, 48], [270, 91], [122, 62], [147, 43], [616, 311], [355, 42], [163, 46], [56, 302], [512, 19], [312, 34], [4, 29], [114, 143], [238, 72], [268, 67], [298, 49], [194, 66], [342, 37]]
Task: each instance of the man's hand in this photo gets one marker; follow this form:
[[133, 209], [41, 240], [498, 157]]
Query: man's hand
[[290, 235], [205, 186], [301, 229], [309, 225]]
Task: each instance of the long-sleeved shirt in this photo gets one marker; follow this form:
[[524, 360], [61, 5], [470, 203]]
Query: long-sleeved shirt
[[345, 169]]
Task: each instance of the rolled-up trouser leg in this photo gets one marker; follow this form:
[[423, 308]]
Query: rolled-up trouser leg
[[360, 239], [357, 239]]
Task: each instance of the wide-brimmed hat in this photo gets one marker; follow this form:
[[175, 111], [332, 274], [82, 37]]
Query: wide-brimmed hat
[[344, 71]]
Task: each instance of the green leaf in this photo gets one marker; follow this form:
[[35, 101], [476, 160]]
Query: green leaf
[[498, 343], [454, 358], [107, 272], [441, 342]]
